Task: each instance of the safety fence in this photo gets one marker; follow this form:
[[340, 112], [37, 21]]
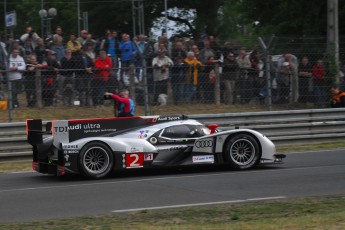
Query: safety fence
[[282, 127], [216, 84]]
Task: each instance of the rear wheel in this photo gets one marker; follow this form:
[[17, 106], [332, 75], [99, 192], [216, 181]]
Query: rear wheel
[[96, 160], [242, 151]]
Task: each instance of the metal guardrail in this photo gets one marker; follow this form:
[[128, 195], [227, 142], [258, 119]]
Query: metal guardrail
[[282, 127]]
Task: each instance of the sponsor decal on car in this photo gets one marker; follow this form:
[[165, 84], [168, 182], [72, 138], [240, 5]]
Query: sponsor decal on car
[[148, 157], [134, 160], [70, 147], [204, 143], [203, 159], [134, 149]]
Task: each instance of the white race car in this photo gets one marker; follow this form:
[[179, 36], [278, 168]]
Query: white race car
[[96, 147]]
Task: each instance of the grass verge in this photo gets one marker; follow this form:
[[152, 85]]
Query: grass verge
[[307, 213]]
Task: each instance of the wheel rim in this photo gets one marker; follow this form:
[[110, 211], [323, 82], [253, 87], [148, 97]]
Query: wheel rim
[[96, 160], [242, 152]]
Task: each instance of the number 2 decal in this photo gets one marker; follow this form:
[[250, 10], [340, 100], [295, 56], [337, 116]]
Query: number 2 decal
[[134, 160]]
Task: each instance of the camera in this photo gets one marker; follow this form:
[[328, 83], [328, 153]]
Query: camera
[[107, 97]]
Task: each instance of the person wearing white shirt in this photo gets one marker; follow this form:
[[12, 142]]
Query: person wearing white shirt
[[16, 67], [161, 65]]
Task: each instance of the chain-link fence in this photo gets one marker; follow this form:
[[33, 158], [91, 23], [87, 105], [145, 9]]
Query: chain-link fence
[[179, 73]]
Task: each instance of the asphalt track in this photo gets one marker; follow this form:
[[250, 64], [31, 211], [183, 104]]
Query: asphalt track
[[30, 196]]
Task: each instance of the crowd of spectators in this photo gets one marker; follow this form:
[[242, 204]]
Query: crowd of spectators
[[179, 70]]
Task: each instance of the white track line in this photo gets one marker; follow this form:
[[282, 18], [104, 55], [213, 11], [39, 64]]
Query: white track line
[[198, 204]]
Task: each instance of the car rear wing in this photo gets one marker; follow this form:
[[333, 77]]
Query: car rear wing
[[35, 132]]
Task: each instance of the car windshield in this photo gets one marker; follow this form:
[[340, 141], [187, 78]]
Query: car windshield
[[185, 131]]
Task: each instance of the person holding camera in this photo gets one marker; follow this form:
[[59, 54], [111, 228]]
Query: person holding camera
[[29, 82], [161, 65], [125, 104], [30, 35]]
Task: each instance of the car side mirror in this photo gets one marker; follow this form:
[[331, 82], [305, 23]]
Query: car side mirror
[[213, 127]]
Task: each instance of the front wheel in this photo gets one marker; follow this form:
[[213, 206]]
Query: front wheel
[[96, 160], [242, 151]]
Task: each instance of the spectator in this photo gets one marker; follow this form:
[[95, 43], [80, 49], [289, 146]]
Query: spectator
[[179, 50], [128, 52], [145, 51], [161, 65], [15, 45], [125, 104], [31, 36], [338, 98], [163, 40], [89, 51], [29, 83], [205, 87], [68, 65], [177, 78], [244, 64], [40, 51], [103, 66], [3, 58], [58, 48], [29, 50], [83, 37], [89, 40], [74, 45], [230, 47], [49, 80], [229, 79], [255, 75], [319, 82], [196, 51], [58, 35], [111, 46], [207, 52], [305, 74], [215, 46], [16, 67], [293, 65], [191, 78], [207, 81], [83, 78], [284, 81]]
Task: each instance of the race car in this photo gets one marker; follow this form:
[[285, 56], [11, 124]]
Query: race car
[[96, 147]]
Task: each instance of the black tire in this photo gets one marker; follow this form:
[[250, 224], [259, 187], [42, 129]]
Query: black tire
[[242, 151], [96, 160]]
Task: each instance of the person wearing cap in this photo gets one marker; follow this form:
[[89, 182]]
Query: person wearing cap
[[125, 104]]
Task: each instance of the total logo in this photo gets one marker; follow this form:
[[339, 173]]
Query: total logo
[[204, 143]]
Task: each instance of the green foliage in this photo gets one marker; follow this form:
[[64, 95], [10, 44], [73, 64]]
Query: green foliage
[[225, 18], [332, 65]]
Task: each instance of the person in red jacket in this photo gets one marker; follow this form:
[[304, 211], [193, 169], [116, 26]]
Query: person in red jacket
[[319, 84], [103, 66], [125, 105]]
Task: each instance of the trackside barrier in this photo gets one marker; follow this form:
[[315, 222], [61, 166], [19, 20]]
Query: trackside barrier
[[291, 127]]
